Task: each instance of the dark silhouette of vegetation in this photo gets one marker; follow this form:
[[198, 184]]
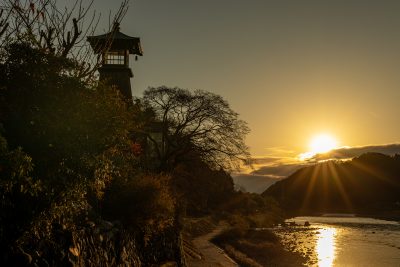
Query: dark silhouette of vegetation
[[88, 178], [200, 189], [368, 184], [63, 143], [70, 159], [148, 197], [199, 122]]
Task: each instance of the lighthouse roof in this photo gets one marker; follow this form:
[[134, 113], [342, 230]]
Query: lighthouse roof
[[115, 40]]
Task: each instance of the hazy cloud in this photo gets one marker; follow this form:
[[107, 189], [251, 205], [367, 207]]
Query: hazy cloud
[[279, 150], [280, 170], [351, 152], [264, 160], [265, 175]]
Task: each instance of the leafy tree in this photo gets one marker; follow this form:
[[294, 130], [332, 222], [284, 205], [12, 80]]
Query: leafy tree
[[56, 118], [63, 135], [197, 121], [70, 152], [145, 200], [16, 182]]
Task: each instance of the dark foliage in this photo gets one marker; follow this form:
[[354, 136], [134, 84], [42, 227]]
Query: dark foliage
[[149, 200], [18, 189], [67, 143], [53, 116], [201, 189], [74, 153]]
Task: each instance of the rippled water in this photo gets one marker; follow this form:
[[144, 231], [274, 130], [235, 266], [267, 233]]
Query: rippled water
[[344, 241]]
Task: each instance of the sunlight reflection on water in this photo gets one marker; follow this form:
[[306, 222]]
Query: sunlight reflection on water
[[325, 247], [343, 241]]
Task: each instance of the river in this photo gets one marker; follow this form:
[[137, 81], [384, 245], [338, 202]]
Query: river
[[344, 241]]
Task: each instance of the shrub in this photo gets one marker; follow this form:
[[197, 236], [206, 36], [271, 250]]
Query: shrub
[[144, 200]]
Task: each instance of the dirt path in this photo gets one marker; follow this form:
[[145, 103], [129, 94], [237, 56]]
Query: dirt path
[[205, 254]]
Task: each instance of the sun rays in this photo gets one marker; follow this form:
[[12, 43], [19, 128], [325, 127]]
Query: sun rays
[[332, 174]]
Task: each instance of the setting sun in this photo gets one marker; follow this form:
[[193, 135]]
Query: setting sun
[[319, 144], [322, 143]]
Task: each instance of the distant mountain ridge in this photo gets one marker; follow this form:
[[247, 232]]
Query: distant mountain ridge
[[369, 183], [254, 183]]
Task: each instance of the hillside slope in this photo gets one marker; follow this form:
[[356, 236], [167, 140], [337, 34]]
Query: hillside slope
[[367, 184]]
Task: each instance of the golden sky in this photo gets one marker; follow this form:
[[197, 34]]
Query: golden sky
[[292, 69]]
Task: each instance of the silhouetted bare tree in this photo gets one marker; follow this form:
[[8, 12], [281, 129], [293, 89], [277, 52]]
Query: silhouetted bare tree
[[197, 122], [59, 31]]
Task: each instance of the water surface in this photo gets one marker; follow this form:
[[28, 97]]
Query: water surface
[[344, 241]]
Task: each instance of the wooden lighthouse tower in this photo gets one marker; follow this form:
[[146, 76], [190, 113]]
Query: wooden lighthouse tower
[[115, 48]]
